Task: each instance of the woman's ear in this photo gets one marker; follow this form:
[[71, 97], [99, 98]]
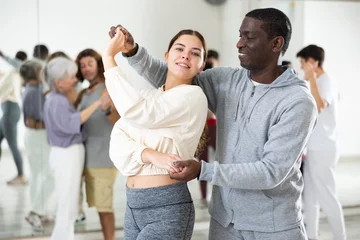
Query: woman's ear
[[166, 56], [202, 67], [57, 83]]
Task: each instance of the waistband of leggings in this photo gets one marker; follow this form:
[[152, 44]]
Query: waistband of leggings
[[158, 196]]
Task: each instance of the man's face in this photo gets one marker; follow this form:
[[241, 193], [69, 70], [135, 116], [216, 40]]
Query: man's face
[[310, 61], [254, 47]]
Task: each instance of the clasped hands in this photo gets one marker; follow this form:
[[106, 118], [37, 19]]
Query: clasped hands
[[186, 170], [183, 170], [120, 41]]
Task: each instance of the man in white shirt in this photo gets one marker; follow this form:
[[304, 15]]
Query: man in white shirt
[[323, 153]]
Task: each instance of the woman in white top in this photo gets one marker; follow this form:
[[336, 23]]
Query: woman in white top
[[158, 127], [10, 88]]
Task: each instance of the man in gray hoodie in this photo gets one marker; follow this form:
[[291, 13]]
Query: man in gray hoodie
[[265, 115]]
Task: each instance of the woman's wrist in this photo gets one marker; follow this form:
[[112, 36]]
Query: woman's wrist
[[146, 155]]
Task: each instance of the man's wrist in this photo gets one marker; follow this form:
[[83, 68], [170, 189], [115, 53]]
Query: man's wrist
[[199, 172], [132, 52]]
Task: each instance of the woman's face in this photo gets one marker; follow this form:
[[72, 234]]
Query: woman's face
[[89, 68], [67, 84], [185, 58]]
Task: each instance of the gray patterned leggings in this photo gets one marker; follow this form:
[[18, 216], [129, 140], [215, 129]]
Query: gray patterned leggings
[[8, 130], [160, 213]]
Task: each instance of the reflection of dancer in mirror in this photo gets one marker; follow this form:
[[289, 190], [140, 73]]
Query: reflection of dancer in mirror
[[37, 147], [10, 88], [264, 118], [158, 127]]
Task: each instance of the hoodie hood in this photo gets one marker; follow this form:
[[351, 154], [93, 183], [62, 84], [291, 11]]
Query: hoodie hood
[[287, 78]]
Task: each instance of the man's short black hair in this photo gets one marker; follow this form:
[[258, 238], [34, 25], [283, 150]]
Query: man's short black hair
[[41, 52], [312, 51], [213, 54], [21, 55], [275, 23], [285, 63]]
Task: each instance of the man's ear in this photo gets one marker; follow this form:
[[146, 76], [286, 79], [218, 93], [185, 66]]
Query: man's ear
[[278, 44], [313, 62]]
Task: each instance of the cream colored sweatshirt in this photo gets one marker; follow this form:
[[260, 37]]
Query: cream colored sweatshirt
[[169, 121]]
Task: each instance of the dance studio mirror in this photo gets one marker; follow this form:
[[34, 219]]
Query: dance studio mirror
[[72, 26]]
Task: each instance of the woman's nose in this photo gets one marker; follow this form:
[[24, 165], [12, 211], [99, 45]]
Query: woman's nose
[[185, 56]]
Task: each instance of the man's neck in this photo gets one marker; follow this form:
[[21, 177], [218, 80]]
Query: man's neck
[[266, 75], [319, 71]]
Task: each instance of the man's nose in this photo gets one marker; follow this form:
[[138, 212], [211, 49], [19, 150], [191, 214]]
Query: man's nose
[[240, 43]]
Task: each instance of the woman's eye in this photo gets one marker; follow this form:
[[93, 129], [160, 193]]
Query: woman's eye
[[179, 49], [196, 54]]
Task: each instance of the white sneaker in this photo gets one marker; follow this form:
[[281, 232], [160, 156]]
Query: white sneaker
[[46, 219], [18, 180], [81, 218], [34, 221]]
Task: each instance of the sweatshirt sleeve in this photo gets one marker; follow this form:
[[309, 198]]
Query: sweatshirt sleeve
[[124, 152], [6, 84], [152, 69], [168, 109], [16, 63], [67, 121], [286, 141]]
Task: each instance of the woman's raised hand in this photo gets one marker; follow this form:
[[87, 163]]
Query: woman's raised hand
[[128, 43], [116, 43]]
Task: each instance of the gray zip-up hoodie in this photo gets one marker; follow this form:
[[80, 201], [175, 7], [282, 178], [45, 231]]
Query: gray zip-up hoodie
[[261, 133]]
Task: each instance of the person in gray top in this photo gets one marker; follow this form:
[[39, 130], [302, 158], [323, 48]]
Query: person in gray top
[[265, 115], [100, 173]]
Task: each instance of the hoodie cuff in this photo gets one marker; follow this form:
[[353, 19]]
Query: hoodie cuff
[[207, 171], [137, 57]]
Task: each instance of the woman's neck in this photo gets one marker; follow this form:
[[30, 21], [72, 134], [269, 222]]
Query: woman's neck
[[172, 82], [33, 82], [94, 84]]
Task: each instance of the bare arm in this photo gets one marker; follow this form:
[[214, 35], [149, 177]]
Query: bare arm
[[86, 113], [129, 156]]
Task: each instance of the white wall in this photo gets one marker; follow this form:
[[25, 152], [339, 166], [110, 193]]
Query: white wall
[[71, 26], [334, 26]]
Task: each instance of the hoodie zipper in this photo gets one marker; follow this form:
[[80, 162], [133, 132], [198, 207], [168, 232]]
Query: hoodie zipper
[[253, 91]]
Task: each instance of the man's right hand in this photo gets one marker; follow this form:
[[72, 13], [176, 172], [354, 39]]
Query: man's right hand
[[129, 40]]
